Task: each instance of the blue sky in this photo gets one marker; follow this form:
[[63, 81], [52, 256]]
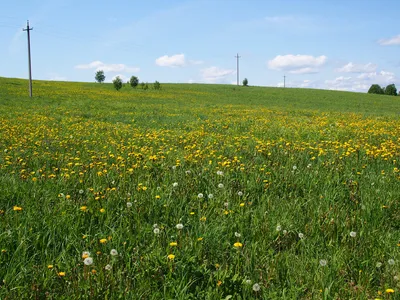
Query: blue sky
[[328, 44]]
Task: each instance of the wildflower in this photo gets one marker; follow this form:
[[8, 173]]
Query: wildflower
[[278, 228], [323, 262], [156, 230], [237, 234], [389, 291], [191, 213], [284, 231], [155, 225], [179, 226], [128, 204], [226, 204], [61, 274], [301, 236], [240, 194], [94, 271], [17, 208], [81, 192], [83, 208], [294, 168], [50, 267], [203, 219], [241, 204], [248, 281], [114, 252], [219, 282], [171, 257], [378, 264], [199, 239], [256, 287], [173, 244], [210, 196], [108, 267], [85, 254], [67, 197], [188, 172], [102, 210], [158, 196], [391, 262], [88, 261], [103, 241], [353, 234], [220, 186], [220, 173], [175, 184], [238, 245], [200, 195]]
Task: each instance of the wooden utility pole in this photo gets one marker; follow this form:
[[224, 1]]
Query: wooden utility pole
[[28, 29]]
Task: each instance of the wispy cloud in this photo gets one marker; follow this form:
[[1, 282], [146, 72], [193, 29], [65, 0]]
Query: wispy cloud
[[177, 60], [215, 74], [357, 68], [297, 64], [98, 65], [390, 41]]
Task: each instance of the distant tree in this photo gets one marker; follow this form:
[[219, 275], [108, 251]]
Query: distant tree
[[245, 82], [134, 81], [391, 90], [375, 89], [157, 85], [142, 84], [117, 83], [146, 86], [100, 77]]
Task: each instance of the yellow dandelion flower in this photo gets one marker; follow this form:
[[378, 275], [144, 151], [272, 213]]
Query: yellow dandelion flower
[[171, 257], [199, 239], [83, 208], [3, 250], [17, 208], [219, 282], [192, 213], [103, 241], [67, 197], [94, 271], [389, 291], [158, 197], [173, 244], [238, 245], [102, 210], [98, 252], [241, 204], [50, 267], [61, 274], [203, 219]]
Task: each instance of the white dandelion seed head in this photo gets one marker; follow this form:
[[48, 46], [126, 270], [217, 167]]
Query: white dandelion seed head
[[220, 186], [188, 172], [237, 234], [301, 235], [155, 225], [88, 261], [294, 168], [240, 194], [248, 281], [256, 287], [309, 166], [323, 262], [220, 173], [200, 195], [175, 184], [391, 262], [353, 234], [156, 230], [226, 204], [278, 228], [284, 231], [108, 267], [173, 167], [81, 192], [85, 253], [210, 196], [378, 264], [114, 252], [179, 226], [62, 195], [128, 204]]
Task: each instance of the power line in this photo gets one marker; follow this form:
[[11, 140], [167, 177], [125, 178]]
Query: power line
[[28, 29], [237, 67]]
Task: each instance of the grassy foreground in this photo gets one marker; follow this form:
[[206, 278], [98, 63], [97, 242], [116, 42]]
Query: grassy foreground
[[198, 192]]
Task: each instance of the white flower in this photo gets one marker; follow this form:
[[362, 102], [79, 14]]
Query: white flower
[[237, 234], [156, 230], [200, 195], [284, 231], [220, 173], [62, 195], [128, 204], [294, 168], [88, 261], [323, 262], [301, 236], [240, 194], [378, 264], [309, 166], [108, 267], [175, 184], [278, 228], [256, 287], [248, 281], [179, 226], [353, 234], [81, 192], [210, 196], [188, 172], [221, 186], [226, 204], [114, 252], [173, 167], [391, 262], [155, 225]]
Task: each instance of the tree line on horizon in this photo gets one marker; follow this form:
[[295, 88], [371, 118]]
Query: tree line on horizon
[[133, 81], [388, 90]]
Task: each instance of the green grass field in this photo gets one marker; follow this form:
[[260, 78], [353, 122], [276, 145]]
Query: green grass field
[[197, 192]]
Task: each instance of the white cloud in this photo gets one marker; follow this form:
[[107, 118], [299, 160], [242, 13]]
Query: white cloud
[[297, 64], [98, 65], [280, 19], [215, 74], [391, 41], [196, 62], [177, 60], [357, 68]]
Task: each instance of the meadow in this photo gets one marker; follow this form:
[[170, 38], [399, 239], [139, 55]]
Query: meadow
[[198, 192]]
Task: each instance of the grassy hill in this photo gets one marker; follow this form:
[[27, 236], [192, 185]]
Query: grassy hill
[[197, 192]]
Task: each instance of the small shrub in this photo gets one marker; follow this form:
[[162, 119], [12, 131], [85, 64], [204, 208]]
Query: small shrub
[[157, 85]]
